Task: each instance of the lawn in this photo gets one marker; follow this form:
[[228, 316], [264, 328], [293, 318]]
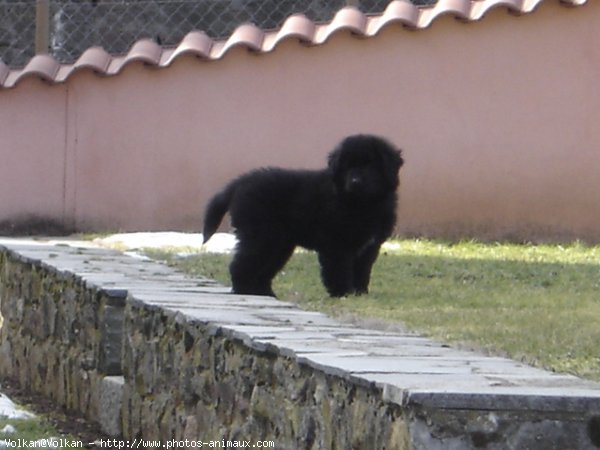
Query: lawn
[[35, 433], [535, 303]]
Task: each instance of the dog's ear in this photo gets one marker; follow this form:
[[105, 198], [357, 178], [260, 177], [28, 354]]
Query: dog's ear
[[391, 158], [334, 160]]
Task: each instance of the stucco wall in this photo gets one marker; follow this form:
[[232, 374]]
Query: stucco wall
[[497, 118]]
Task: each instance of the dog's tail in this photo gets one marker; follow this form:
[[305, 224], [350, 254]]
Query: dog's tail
[[216, 209]]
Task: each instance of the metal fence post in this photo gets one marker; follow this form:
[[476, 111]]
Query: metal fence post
[[42, 25]]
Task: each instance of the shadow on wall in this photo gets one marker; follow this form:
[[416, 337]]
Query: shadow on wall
[[32, 225]]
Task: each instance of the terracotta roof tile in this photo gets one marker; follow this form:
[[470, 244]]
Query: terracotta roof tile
[[195, 43], [44, 66], [145, 50], [254, 39], [298, 27], [94, 58], [350, 19], [246, 35], [459, 8], [396, 12]]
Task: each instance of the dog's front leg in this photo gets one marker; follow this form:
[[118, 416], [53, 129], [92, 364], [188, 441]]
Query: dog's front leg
[[362, 268], [337, 273]]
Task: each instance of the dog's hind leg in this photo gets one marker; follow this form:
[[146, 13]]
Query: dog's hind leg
[[255, 264]]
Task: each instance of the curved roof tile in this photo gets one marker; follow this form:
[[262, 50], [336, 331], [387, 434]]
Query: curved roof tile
[[195, 43], [459, 8], [481, 8], [43, 66], [94, 58], [146, 51], [396, 12], [246, 35], [297, 26], [254, 39], [349, 18]]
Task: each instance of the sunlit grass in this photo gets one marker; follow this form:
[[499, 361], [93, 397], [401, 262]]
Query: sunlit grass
[[33, 432], [536, 303]]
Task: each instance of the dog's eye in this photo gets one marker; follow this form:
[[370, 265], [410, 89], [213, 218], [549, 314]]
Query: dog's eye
[[364, 162]]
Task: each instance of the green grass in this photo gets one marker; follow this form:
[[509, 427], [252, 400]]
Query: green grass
[[35, 429], [535, 303]]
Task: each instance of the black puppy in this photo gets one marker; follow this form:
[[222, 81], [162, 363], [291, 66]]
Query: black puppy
[[344, 212]]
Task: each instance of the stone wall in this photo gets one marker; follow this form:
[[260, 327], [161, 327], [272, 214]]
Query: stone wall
[[150, 354], [193, 379], [177, 377], [59, 336]]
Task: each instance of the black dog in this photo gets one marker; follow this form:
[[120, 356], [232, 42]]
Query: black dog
[[344, 212]]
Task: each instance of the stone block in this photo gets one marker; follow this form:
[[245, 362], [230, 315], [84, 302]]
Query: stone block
[[110, 403]]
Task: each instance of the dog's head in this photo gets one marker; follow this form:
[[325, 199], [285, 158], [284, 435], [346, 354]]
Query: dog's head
[[365, 167]]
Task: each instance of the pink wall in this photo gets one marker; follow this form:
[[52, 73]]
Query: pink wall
[[498, 120], [32, 151]]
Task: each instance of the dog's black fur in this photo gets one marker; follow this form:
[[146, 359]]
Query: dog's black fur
[[344, 212]]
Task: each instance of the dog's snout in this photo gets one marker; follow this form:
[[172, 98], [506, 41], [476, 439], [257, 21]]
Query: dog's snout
[[353, 182], [355, 176]]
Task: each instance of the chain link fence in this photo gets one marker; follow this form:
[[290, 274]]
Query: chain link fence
[[65, 29]]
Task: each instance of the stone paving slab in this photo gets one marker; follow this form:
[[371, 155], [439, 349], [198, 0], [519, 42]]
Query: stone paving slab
[[410, 369]]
